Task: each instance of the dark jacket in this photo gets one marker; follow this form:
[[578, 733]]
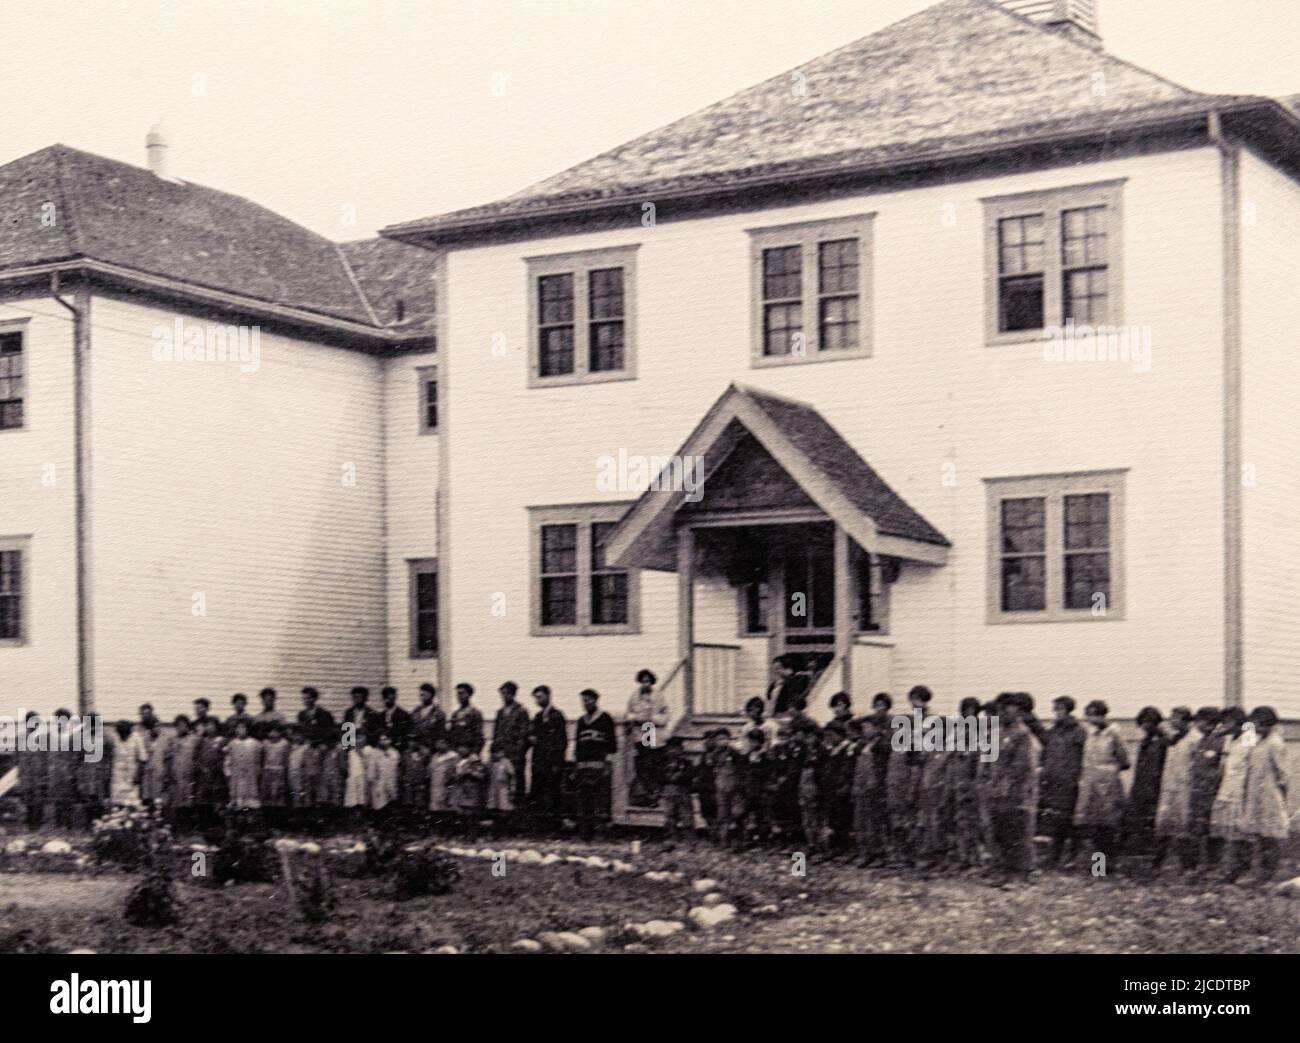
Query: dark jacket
[[595, 738], [510, 731], [549, 738]]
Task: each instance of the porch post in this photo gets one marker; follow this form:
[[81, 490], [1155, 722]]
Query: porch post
[[686, 611], [843, 608]]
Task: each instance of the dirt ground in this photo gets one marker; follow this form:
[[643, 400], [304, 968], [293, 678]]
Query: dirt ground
[[830, 908]]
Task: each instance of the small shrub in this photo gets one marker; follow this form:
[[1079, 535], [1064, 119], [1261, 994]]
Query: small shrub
[[151, 902], [129, 837], [423, 871]]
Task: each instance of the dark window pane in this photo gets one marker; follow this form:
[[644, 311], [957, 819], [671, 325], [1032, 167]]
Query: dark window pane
[[431, 403], [426, 591], [556, 351], [555, 298], [607, 293], [609, 598], [11, 582], [837, 264], [11, 380], [1087, 522], [559, 601], [606, 350], [426, 634], [1087, 575], [1024, 584], [1020, 304], [559, 548], [839, 323], [1024, 525], [783, 273], [781, 322], [756, 607]]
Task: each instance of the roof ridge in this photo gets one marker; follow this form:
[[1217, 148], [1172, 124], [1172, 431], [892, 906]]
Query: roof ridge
[[68, 200], [356, 284]]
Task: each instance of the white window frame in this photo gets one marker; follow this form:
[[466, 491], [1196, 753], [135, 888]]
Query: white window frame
[[580, 264], [1053, 489], [808, 235], [423, 375], [1052, 204], [19, 326], [21, 544], [583, 515]]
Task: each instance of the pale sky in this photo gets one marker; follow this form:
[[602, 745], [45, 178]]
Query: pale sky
[[406, 108]]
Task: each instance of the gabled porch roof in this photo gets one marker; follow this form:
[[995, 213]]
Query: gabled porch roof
[[825, 466]]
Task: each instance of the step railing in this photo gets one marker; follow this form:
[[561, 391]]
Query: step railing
[[873, 661], [715, 678]]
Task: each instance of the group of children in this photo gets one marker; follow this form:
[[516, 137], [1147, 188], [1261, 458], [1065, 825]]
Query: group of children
[[1209, 787], [315, 774]]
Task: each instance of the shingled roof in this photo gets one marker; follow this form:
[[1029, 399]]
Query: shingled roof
[[958, 75], [827, 469], [125, 216]]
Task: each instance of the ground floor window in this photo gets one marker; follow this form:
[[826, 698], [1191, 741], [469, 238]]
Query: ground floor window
[[1056, 547], [575, 588], [424, 607], [13, 591]]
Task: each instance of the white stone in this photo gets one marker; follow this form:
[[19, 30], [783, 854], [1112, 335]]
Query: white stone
[[709, 917], [16, 846], [82, 952], [56, 847], [530, 858], [712, 898], [526, 945], [446, 950], [1289, 888], [595, 935], [564, 941], [657, 928], [705, 886], [548, 859]]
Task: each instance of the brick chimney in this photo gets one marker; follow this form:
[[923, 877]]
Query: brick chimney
[[1076, 19]]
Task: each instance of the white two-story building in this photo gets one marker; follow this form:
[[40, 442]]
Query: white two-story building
[[981, 340], [964, 355]]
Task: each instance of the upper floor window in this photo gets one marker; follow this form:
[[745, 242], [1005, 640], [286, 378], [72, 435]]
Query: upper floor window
[[13, 590], [581, 326], [1053, 258], [11, 379], [1056, 547], [811, 288], [427, 379], [423, 607], [575, 589]]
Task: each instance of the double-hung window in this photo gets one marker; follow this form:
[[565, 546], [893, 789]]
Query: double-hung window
[[14, 571], [1052, 260], [812, 291], [1056, 547], [11, 379], [581, 317], [576, 589]]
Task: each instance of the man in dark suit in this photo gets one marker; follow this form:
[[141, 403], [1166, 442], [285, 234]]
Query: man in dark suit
[[548, 738], [316, 722], [393, 719], [361, 716], [510, 735], [786, 687], [428, 722]]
